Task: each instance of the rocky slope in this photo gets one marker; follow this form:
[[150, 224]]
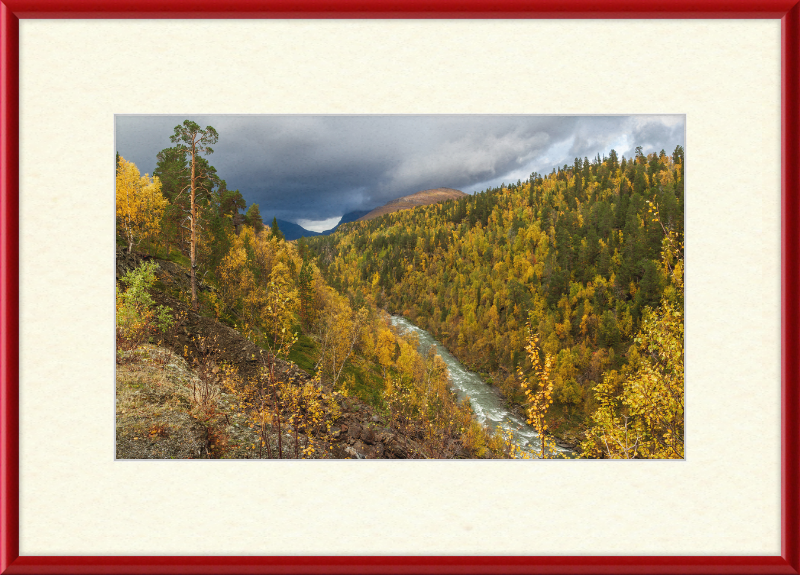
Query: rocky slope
[[160, 415]]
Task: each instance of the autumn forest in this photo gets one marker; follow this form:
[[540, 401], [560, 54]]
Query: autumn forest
[[561, 294]]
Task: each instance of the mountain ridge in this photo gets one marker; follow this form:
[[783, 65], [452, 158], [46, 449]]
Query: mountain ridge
[[292, 231], [421, 198]]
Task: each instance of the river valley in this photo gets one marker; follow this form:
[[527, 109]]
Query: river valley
[[487, 405]]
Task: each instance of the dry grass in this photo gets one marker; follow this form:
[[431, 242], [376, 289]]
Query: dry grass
[[166, 411], [153, 407]]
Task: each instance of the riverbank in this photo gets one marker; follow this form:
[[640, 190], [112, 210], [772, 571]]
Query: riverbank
[[490, 407]]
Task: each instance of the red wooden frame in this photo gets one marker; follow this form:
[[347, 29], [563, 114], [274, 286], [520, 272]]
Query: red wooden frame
[[10, 13]]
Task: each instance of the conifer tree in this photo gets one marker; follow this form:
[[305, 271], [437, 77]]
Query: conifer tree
[[253, 218], [275, 230], [192, 141]]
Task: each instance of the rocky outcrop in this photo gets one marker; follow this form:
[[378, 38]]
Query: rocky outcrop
[[362, 434]]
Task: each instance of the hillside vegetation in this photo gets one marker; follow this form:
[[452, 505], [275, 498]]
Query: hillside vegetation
[[423, 198], [583, 258]]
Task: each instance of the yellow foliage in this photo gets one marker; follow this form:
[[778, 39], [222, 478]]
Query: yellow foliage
[[646, 420], [385, 348], [338, 330], [140, 204], [538, 389]]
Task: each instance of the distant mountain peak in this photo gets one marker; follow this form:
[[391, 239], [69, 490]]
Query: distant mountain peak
[[423, 198], [292, 231]]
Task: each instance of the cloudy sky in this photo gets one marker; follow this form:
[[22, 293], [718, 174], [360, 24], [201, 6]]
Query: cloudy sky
[[313, 169]]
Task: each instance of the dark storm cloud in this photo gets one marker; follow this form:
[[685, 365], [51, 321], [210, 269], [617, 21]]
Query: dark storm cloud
[[318, 167]]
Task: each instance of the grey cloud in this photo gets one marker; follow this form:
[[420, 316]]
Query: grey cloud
[[317, 167], [652, 135]]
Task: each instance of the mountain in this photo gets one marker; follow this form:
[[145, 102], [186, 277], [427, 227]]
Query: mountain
[[292, 231], [351, 217], [423, 198], [346, 219]]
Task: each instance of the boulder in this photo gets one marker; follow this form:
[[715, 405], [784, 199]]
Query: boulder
[[369, 436], [354, 431]]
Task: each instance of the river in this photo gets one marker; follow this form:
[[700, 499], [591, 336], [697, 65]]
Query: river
[[488, 407]]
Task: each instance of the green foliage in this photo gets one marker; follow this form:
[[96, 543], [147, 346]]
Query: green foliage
[[305, 289], [253, 218], [138, 317], [174, 172], [275, 230], [645, 419], [607, 330], [304, 352], [640, 412]]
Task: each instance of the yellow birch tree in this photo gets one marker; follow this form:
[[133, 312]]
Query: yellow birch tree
[[140, 204], [538, 387]]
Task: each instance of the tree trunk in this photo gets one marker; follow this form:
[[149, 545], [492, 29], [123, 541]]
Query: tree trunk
[[193, 241]]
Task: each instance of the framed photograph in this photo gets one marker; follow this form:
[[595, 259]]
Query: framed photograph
[[86, 488]]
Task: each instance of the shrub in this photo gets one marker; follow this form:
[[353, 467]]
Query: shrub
[[138, 318]]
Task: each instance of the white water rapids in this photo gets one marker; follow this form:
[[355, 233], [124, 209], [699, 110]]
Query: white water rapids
[[487, 406]]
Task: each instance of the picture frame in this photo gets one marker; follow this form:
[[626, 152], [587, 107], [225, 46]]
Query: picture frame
[[11, 560]]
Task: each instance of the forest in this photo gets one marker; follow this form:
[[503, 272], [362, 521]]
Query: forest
[[564, 291]]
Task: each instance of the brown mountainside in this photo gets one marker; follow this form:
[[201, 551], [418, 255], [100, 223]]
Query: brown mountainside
[[422, 198]]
